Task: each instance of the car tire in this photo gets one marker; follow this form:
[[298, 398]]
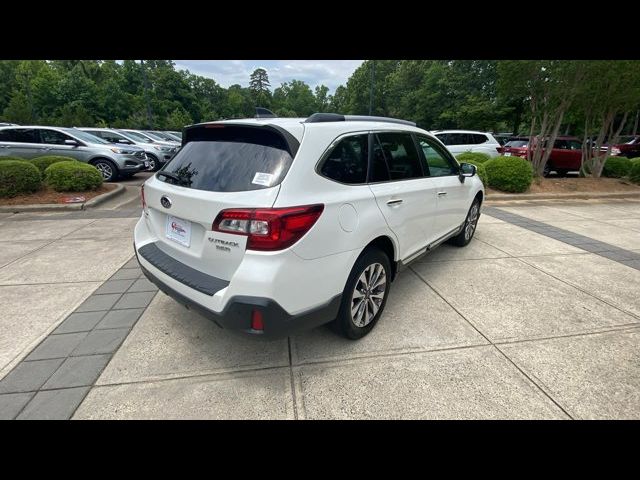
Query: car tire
[[562, 172], [547, 169], [154, 164], [364, 298], [469, 227], [107, 168]]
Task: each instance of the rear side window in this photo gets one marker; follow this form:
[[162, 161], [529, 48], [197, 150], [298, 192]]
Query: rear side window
[[478, 138], [22, 135], [458, 139], [347, 162], [230, 159], [7, 135], [395, 158]]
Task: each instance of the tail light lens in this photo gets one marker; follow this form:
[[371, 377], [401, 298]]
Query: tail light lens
[[144, 201], [268, 229]]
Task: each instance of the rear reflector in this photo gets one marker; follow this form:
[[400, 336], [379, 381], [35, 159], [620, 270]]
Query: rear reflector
[[268, 229], [257, 322]]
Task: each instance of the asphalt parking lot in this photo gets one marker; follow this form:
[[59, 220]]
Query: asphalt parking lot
[[538, 318]]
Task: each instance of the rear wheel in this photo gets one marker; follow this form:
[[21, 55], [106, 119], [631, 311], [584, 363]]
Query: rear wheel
[[547, 169], [562, 172], [107, 168], [469, 227], [365, 295]]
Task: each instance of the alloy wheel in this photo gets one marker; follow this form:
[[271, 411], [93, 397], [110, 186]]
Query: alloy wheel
[[368, 294], [472, 222], [105, 169]]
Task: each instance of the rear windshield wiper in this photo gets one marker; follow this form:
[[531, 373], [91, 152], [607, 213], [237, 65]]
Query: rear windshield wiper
[[172, 176]]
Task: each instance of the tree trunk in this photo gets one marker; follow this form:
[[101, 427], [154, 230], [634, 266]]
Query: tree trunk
[[635, 124]]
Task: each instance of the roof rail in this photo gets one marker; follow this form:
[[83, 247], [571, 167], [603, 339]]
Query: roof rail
[[264, 113], [335, 117]]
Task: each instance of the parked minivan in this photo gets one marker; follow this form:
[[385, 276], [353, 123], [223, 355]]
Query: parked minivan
[[113, 161], [266, 233]]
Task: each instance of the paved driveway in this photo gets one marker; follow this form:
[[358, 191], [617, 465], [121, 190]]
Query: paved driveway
[[537, 318]]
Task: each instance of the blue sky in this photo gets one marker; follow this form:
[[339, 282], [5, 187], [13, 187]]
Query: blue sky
[[331, 73]]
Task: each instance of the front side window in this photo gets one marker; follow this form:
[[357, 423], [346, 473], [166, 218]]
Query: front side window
[[395, 158], [438, 165], [347, 161], [575, 145], [53, 137], [561, 144]]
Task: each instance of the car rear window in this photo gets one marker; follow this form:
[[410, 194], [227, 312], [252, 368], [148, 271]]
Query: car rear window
[[230, 159]]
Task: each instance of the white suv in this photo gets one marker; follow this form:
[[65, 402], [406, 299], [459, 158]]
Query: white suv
[[461, 141], [273, 225]]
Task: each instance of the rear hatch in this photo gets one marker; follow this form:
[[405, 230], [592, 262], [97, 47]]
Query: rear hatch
[[516, 147], [220, 166]]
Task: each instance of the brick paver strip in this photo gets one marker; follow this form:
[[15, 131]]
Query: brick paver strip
[[12, 403], [120, 318], [606, 250], [79, 322], [54, 404], [53, 379], [77, 372]]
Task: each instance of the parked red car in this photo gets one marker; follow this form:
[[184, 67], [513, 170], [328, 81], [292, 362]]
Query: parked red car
[[630, 147], [566, 155]]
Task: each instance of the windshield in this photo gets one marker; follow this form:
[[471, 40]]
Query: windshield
[[155, 136], [138, 137], [517, 143], [84, 136]]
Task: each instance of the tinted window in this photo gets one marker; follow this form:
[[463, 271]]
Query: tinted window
[[575, 145], [109, 136], [26, 135], [438, 165], [395, 158], [458, 139], [478, 138], [231, 159], [7, 135], [347, 162], [561, 144], [53, 137], [85, 136]]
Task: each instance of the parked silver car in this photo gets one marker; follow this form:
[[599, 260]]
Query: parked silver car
[[157, 154], [153, 137], [111, 160]]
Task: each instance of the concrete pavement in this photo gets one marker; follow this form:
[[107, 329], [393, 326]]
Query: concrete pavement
[[528, 321]]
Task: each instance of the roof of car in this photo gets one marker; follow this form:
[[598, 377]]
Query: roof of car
[[459, 131], [296, 126]]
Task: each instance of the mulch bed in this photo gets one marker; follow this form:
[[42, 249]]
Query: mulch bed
[[578, 185], [48, 196]]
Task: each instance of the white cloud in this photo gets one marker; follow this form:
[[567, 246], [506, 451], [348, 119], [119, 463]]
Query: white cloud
[[331, 73]]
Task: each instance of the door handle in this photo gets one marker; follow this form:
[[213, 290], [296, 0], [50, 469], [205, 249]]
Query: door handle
[[395, 202], [442, 194]]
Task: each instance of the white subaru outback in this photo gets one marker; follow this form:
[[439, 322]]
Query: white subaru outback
[[273, 225]]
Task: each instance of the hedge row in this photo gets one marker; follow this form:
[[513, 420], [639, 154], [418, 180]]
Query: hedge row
[[63, 174]]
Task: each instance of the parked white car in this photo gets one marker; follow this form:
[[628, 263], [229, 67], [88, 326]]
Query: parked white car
[[461, 141], [274, 225]]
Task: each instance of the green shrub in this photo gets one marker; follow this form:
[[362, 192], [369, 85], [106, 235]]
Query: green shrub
[[634, 172], [471, 157], [17, 177], [72, 177], [43, 162], [616, 167], [481, 170], [13, 159], [509, 174]]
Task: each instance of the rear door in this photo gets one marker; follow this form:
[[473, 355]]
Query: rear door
[[22, 143], [451, 195], [220, 167], [404, 195]]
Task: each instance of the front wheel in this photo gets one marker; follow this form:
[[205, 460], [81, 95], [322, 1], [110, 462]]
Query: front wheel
[[107, 169], [365, 295], [469, 227], [154, 164]]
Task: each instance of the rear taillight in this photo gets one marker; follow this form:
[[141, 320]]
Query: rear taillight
[[144, 201], [500, 149], [268, 228]]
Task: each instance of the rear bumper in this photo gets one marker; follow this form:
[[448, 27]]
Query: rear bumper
[[238, 311]]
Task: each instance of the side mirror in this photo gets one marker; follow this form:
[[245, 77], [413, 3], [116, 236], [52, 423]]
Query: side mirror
[[72, 143], [467, 170]]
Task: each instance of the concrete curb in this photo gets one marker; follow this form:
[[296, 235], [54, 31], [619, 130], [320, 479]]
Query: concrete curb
[[560, 196], [55, 207]]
